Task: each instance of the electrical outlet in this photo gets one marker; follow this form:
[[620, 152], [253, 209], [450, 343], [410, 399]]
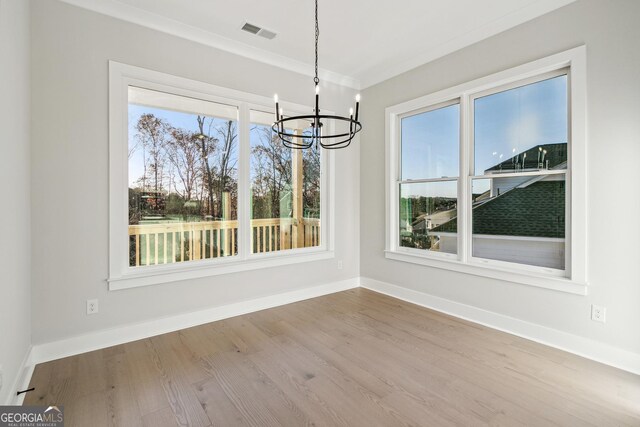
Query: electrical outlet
[[340, 265], [92, 306], [598, 314]]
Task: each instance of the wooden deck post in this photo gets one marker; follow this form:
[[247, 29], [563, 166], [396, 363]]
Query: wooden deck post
[[226, 216], [284, 234], [297, 173], [195, 243]]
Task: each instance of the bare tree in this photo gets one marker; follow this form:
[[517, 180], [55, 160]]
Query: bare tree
[[152, 133], [217, 147], [133, 148], [195, 163], [311, 172], [226, 160], [207, 146], [183, 153], [272, 169]]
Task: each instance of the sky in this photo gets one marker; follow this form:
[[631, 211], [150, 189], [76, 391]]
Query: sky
[[519, 119], [430, 144], [505, 123]]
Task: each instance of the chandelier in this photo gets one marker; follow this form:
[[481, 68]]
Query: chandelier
[[317, 121]]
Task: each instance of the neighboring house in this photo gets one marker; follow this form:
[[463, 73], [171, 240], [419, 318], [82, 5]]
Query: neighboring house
[[547, 156], [426, 222], [522, 218]]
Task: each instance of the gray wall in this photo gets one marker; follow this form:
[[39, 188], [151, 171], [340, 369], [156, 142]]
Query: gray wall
[[70, 50], [611, 33], [15, 240]]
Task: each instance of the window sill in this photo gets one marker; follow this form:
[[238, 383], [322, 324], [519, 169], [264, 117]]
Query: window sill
[[524, 278], [156, 275]]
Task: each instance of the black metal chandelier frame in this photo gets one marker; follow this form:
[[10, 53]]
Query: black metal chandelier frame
[[316, 136]]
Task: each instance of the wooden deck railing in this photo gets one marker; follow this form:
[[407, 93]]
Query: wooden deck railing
[[151, 244]]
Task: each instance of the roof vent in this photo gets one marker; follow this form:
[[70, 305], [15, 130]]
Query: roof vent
[[254, 29]]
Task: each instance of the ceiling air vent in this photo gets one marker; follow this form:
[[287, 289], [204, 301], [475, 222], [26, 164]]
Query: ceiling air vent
[[254, 29]]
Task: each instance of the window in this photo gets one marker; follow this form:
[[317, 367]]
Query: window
[[429, 177], [285, 191], [518, 195], [183, 178], [488, 177], [201, 186]]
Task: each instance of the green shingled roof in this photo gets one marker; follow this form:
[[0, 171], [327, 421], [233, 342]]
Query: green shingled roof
[[556, 155], [533, 211]]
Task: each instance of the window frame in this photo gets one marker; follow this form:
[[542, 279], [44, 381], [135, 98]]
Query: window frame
[[399, 182], [574, 278], [121, 275], [472, 175]]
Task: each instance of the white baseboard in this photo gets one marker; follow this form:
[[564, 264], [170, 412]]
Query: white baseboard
[[575, 344], [21, 382], [581, 346], [123, 334]]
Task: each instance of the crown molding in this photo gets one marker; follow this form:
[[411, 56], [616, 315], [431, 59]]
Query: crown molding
[[157, 22], [372, 74]]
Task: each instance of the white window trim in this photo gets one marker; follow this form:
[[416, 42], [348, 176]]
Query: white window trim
[[574, 278], [121, 276]]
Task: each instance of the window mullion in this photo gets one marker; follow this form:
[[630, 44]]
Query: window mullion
[[244, 217], [464, 183]]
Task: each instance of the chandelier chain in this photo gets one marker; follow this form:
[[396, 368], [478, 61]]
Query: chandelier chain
[[329, 140], [316, 79]]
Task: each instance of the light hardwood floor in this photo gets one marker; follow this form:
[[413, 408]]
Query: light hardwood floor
[[354, 358]]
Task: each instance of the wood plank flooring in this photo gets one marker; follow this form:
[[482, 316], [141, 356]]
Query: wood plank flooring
[[354, 358]]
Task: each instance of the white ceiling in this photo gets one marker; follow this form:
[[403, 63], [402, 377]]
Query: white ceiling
[[362, 42]]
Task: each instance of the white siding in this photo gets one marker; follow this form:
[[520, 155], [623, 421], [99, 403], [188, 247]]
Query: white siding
[[543, 253], [503, 184], [449, 244]]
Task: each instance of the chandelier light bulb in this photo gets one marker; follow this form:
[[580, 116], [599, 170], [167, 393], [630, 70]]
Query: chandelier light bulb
[[351, 111], [358, 98], [317, 89], [275, 98]]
